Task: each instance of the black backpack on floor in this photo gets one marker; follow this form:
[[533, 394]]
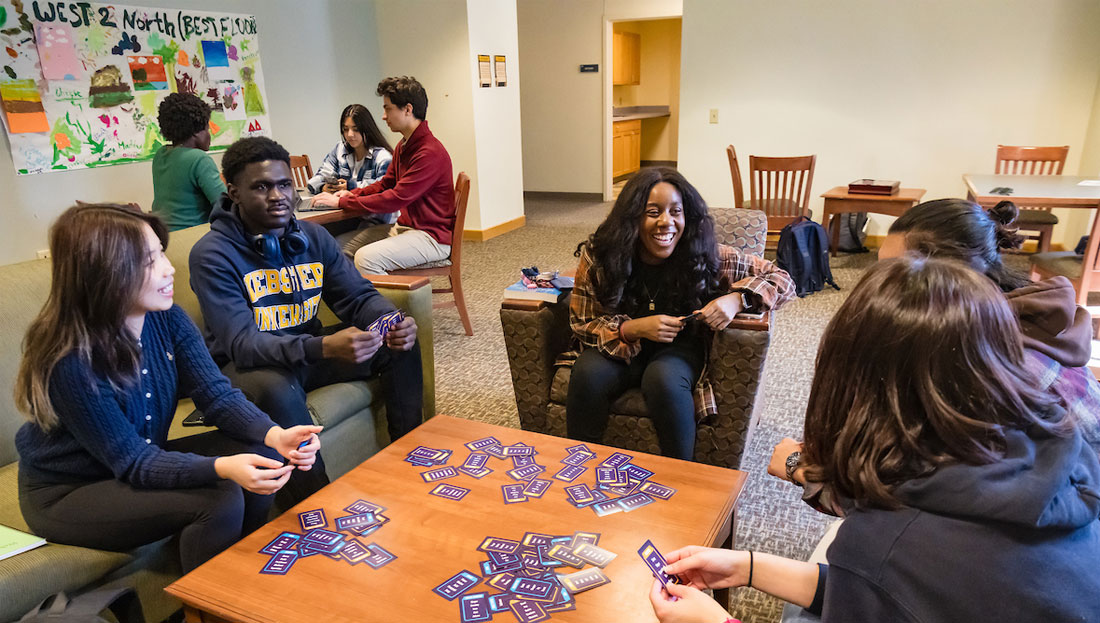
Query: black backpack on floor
[[804, 253]]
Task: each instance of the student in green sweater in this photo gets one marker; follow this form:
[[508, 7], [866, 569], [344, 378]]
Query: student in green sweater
[[185, 179]]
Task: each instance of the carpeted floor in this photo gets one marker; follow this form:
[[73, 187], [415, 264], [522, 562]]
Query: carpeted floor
[[473, 380]]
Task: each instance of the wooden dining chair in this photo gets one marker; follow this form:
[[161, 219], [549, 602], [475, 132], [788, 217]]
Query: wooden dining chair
[[735, 173], [780, 187], [452, 266], [1016, 160], [300, 170], [1082, 270]]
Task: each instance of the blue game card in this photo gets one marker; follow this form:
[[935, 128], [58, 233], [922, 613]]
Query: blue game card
[[456, 585], [530, 587], [286, 540], [379, 557], [635, 501], [357, 522], [280, 563]]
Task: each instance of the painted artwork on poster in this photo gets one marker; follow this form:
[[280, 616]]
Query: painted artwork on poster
[[81, 82]]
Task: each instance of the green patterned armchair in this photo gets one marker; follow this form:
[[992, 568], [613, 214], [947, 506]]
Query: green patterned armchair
[[535, 333]]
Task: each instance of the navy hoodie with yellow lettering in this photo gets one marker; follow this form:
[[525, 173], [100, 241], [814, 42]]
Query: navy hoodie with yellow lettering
[[262, 311]]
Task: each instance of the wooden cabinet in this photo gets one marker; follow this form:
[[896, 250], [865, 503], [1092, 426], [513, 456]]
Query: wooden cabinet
[[626, 147], [626, 58]]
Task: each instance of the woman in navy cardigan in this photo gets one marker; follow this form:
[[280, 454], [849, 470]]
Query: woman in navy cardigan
[[104, 365]]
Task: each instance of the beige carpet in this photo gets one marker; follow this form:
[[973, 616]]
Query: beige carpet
[[473, 380]]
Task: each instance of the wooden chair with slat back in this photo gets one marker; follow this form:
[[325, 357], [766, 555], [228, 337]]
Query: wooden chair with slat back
[[1016, 160], [452, 266], [735, 174], [1082, 271], [781, 188], [300, 170]]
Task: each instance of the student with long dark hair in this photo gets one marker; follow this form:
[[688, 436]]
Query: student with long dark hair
[[969, 493], [104, 364], [185, 179], [1057, 333], [652, 263], [360, 159]]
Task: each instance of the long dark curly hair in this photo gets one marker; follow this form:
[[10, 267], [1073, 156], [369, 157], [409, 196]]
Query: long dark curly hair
[[690, 274]]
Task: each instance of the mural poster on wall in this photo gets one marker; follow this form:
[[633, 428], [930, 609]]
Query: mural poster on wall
[[81, 82]]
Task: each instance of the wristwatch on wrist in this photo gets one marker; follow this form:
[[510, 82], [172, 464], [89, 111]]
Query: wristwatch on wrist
[[792, 464]]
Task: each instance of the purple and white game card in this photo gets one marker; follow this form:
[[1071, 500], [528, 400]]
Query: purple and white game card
[[569, 473], [286, 540], [580, 494], [606, 507], [606, 475], [379, 557], [536, 487], [513, 493], [562, 552], [584, 537], [499, 602], [456, 585], [635, 501], [527, 611], [579, 448], [476, 460], [656, 490], [479, 472], [481, 444], [363, 506], [636, 473], [578, 458], [523, 460], [280, 563], [359, 521], [429, 454], [354, 551], [433, 475], [617, 460], [534, 539], [475, 607], [527, 472], [519, 449], [499, 545], [322, 539], [580, 581], [530, 587], [501, 581], [656, 563], [312, 519], [451, 492]]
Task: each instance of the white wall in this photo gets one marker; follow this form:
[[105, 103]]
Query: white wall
[[496, 110], [428, 40], [561, 107], [314, 62], [921, 92]]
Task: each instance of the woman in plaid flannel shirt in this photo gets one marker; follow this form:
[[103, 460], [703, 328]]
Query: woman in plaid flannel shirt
[[651, 287]]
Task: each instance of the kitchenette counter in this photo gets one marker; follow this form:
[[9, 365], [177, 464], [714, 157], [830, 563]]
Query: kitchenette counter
[[629, 113]]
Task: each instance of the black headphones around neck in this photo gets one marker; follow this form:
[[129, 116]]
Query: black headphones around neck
[[292, 242]]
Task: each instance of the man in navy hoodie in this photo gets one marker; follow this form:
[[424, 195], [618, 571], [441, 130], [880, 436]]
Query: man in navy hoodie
[[260, 276]]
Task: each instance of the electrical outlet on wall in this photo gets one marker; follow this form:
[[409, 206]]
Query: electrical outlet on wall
[[714, 115], [44, 254]]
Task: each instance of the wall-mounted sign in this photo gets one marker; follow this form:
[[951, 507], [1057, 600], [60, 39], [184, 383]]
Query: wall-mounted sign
[[590, 69]]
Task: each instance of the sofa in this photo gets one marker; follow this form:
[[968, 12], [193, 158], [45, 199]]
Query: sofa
[[536, 333], [352, 414]]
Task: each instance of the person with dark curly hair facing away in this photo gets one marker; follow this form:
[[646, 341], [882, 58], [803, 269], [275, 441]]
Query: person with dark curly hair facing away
[[969, 493], [418, 184], [104, 364], [651, 265], [185, 179], [260, 276], [1056, 331]]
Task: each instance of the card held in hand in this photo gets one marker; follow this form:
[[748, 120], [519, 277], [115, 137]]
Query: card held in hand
[[656, 563], [385, 322]]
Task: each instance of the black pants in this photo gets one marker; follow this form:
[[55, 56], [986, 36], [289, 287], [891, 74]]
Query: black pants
[[112, 515], [281, 393], [666, 373]]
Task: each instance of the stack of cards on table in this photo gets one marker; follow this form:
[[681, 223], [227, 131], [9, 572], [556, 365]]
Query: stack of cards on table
[[620, 486], [531, 578], [363, 518], [423, 456], [385, 322]]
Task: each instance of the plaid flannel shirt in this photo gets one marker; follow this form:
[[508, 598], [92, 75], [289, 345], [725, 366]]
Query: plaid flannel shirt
[[596, 327]]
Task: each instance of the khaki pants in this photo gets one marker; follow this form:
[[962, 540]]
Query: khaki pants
[[382, 248]]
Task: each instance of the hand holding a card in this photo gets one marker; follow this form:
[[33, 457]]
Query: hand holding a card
[[720, 312], [254, 473], [656, 328], [403, 334], [708, 567], [299, 444], [352, 345], [676, 603]]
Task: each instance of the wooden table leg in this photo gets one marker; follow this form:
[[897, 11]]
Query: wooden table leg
[[833, 225], [722, 595], [191, 615]]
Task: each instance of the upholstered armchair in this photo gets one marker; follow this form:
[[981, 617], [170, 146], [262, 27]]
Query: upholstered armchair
[[535, 333]]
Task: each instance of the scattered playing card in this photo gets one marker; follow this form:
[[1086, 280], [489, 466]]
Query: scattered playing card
[[475, 607], [536, 487], [617, 460], [476, 460], [481, 444], [594, 554], [286, 540], [456, 585], [580, 493], [363, 506], [379, 557], [564, 553], [451, 492], [354, 551], [495, 544], [580, 581], [656, 490], [357, 522], [569, 473], [312, 519], [433, 475], [513, 493], [584, 537], [527, 611], [527, 472], [634, 501], [280, 563]]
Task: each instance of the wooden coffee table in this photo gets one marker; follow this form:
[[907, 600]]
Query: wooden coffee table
[[839, 201], [434, 538]]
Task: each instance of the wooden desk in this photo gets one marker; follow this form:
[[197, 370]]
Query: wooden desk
[[434, 538], [839, 201], [1056, 191]]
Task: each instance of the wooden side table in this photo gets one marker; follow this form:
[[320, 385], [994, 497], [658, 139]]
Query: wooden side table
[[839, 200]]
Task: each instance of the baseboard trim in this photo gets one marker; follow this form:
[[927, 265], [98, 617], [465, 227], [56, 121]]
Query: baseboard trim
[[538, 194], [481, 235]]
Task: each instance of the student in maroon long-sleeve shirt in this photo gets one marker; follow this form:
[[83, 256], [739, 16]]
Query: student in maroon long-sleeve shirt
[[418, 183]]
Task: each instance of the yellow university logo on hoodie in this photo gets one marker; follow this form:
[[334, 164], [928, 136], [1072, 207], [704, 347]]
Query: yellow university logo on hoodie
[[283, 281]]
